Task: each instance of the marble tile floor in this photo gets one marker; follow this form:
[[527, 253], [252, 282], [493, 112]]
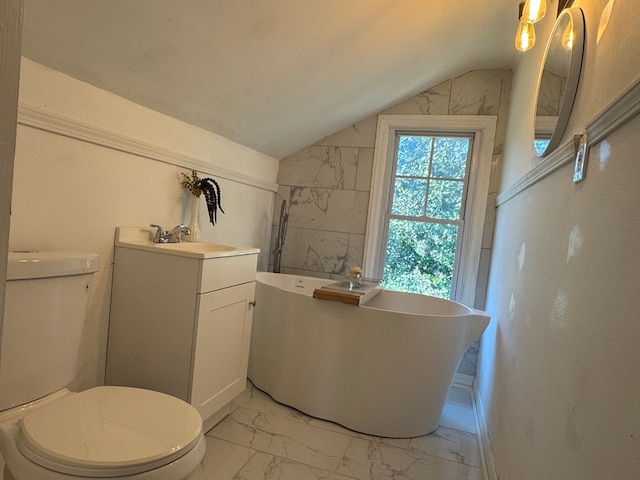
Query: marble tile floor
[[264, 440]]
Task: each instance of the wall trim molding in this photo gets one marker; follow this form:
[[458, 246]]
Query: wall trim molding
[[557, 159], [42, 119], [615, 115]]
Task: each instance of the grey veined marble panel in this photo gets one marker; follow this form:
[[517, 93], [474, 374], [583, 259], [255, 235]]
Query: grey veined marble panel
[[355, 252], [316, 251], [434, 101], [365, 169], [328, 209], [327, 167], [476, 93]]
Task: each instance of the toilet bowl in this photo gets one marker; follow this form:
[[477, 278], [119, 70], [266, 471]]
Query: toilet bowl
[[104, 432], [50, 433]]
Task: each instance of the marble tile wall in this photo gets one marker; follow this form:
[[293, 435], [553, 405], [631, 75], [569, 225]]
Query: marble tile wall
[[327, 190], [327, 185]]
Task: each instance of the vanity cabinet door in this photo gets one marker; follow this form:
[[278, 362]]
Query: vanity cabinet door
[[223, 332]]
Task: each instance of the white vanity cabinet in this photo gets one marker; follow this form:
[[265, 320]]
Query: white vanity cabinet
[[182, 325]]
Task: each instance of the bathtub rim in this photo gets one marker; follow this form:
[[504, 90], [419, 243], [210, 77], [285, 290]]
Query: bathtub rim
[[321, 281]]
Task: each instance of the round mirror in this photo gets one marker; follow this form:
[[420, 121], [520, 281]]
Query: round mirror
[[558, 80]]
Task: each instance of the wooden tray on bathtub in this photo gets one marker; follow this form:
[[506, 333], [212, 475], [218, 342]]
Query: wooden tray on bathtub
[[344, 291]]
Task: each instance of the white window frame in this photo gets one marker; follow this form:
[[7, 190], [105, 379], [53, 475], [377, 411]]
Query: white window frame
[[483, 128]]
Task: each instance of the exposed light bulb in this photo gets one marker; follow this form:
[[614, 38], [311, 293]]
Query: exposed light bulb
[[525, 36], [534, 10]]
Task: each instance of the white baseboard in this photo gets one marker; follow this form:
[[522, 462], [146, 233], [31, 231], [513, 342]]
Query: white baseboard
[[486, 457]]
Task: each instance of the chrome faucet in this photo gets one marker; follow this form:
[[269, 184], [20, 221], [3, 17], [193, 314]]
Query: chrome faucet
[[160, 236], [172, 236]]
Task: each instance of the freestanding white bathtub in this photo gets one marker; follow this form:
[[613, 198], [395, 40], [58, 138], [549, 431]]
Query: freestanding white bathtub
[[383, 368]]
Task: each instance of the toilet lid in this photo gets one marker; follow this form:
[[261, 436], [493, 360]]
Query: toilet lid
[[109, 431]]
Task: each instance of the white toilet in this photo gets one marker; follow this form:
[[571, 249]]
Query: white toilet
[[50, 433]]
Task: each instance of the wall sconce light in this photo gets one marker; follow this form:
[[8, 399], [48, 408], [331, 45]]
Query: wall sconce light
[[525, 36], [533, 10], [530, 12]]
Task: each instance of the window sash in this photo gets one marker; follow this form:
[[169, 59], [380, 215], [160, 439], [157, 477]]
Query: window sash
[[483, 126]]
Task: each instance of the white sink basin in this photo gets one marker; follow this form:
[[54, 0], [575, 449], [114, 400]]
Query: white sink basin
[[141, 239]]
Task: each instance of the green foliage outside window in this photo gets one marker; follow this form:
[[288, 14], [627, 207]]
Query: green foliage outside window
[[426, 210], [408, 197], [420, 257]]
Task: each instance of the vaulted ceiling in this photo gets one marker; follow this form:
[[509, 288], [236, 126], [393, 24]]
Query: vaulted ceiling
[[274, 75]]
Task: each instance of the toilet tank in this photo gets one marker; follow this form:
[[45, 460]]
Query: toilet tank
[[45, 306]]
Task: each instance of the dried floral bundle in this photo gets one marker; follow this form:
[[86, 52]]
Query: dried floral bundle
[[211, 191]]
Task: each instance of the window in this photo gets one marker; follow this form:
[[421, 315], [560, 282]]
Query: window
[[426, 214], [428, 199], [543, 131]]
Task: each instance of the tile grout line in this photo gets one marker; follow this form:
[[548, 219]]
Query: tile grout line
[[373, 440]]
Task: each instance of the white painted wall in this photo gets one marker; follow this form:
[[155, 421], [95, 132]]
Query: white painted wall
[[10, 35], [558, 373], [70, 194]]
